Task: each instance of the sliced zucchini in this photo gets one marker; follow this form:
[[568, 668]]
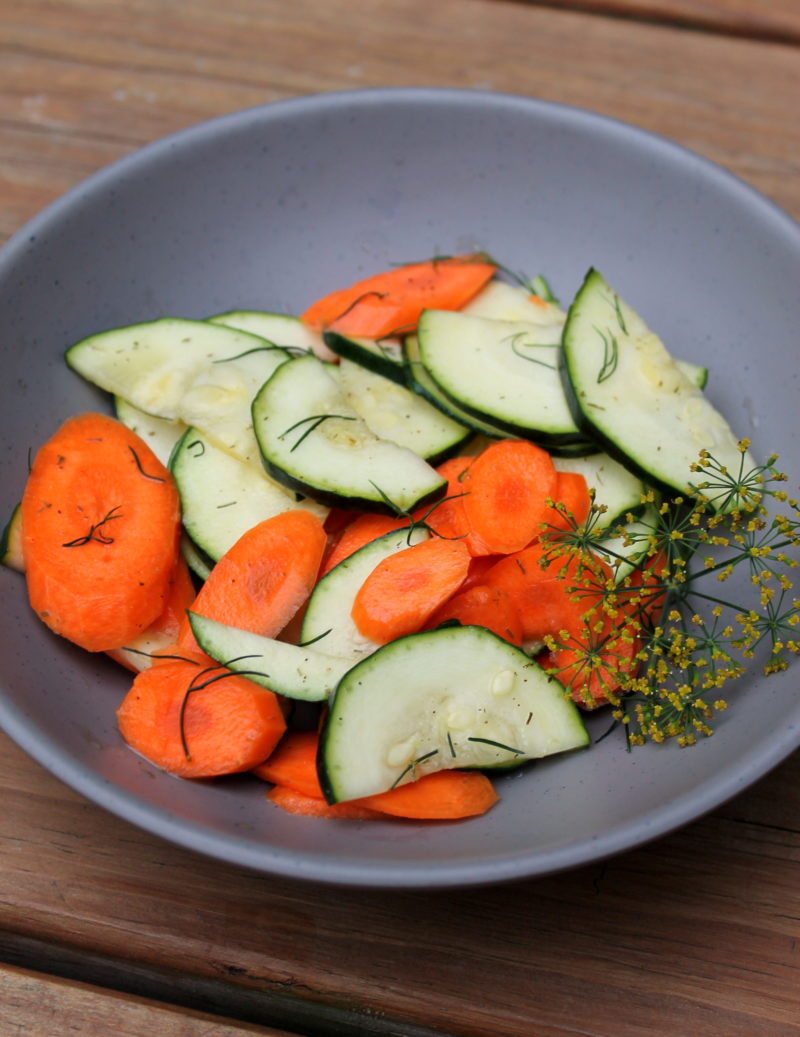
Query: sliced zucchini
[[616, 489], [502, 301], [505, 372], [384, 357], [630, 544], [160, 434], [451, 697], [11, 542], [222, 496], [313, 441], [396, 413], [197, 560], [290, 670], [696, 373], [203, 374], [280, 330], [420, 382], [327, 621], [630, 394]]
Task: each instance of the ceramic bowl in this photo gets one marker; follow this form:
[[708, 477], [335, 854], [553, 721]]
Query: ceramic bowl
[[269, 208]]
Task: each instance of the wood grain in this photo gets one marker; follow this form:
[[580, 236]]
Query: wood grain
[[35, 1005], [776, 20], [703, 923]]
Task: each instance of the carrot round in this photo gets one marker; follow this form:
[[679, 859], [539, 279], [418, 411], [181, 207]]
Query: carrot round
[[592, 663], [547, 599], [508, 486], [294, 802], [402, 591], [163, 631], [261, 582], [362, 530], [391, 302], [571, 502], [479, 605], [293, 763], [100, 525], [444, 795], [199, 721]]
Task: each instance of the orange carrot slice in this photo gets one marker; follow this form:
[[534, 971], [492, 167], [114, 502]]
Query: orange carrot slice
[[362, 530], [444, 795], [100, 524], [164, 630], [572, 494], [199, 721], [508, 486], [391, 302], [441, 796], [593, 663], [293, 763], [268, 574], [542, 596], [484, 606], [294, 802], [402, 591]]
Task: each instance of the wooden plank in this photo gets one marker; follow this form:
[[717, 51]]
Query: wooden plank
[[84, 81], [42, 1006], [775, 20], [607, 949]]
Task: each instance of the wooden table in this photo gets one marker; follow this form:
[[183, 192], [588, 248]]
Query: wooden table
[[107, 929]]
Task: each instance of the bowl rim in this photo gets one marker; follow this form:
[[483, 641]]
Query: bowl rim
[[254, 853]]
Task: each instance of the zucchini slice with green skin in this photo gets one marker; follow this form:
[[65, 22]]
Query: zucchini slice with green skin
[[202, 374], [11, 542], [279, 329], [502, 301], [447, 698], [313, 441], [616, 489], [384, 357], [420, 382], [396, 413], [504, 372], [328, 622], [160, 434], [632, 396], [293, 671], [197, 560], [222, 496]]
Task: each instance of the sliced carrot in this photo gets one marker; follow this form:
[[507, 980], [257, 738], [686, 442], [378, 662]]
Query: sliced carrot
[[391, 302], [444, 795], [362, 530], [571, 501], [294, 802], [293, 763], [403, 590], [484, 606], [448, 518], [268, 574], [229, 724], [508, 486], [478, 566], [164, 630], [593, 661], [542, 595], [100, 525], [441, 796]]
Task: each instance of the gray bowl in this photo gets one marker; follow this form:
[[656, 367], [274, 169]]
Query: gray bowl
[[270, 207]]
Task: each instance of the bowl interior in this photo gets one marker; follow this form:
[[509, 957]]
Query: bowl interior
[[268, 208]]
